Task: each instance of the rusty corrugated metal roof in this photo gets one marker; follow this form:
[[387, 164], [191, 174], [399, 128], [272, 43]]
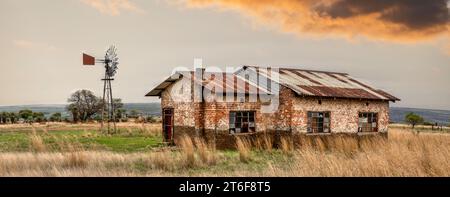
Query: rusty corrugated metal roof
[[324, 84], [302, 82], [214, 81]]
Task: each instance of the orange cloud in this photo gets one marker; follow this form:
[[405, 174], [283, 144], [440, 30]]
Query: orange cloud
[[113, 7], [393, 20]]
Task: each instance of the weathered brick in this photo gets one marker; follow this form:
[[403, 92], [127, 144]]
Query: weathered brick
[[210, 119]]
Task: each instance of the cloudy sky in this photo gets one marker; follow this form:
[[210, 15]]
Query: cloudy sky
[[401, 46]]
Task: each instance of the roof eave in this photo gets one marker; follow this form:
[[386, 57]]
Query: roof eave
[[169, 81], [340, 97]]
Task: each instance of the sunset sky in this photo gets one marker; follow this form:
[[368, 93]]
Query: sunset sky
[[401, 46]]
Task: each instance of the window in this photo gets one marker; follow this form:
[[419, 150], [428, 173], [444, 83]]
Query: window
[[368, 122], [242, 122], [318, 122]]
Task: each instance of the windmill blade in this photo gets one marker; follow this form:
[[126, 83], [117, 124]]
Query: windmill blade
[[111, 54], [112, 60]]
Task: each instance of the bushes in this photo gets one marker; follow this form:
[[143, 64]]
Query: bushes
[[147, 119], [56, 117], [9, 117], [27, 116]]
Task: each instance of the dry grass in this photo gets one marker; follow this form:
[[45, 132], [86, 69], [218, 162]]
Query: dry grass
[[150, 130], [244, 148], [404, 154], [287, 145], [37, 144], [265, 143], [188, 151], [207, 152], [59, 164]]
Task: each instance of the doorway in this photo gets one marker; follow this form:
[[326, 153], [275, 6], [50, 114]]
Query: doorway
[[168, 124]]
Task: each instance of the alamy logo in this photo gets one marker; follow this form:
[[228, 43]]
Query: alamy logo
[[234, 84]]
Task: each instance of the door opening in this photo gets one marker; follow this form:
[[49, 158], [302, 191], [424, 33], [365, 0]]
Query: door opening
[[168, 124]]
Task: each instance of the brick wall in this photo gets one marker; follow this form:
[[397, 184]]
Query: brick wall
[[178, 96], [211, 119], [343, 116]]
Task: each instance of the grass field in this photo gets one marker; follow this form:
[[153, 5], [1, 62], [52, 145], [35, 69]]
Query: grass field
[[137, 150], [131, 138]]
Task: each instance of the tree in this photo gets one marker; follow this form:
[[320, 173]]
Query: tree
[[66, 119], [151, 119], [83, 105], [56, 117], [13, 117], [26, 115], [3, 117], [413, 119], [38, 117], [134, 113], [119, 112]]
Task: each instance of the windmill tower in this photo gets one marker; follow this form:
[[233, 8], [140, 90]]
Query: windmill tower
[[111, 61]]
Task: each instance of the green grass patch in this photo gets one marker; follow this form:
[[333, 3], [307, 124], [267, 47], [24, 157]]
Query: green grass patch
[[14, 142], [89, 140]]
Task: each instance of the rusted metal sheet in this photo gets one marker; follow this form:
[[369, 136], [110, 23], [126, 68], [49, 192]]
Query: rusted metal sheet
[[216, 82], [326, 84], [231, 83], [388, 95], [302, 82], [324, 91]]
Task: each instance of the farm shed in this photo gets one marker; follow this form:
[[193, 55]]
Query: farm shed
[[278, 101]]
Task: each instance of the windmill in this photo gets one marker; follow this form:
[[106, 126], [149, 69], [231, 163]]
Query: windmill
[[111, 61]]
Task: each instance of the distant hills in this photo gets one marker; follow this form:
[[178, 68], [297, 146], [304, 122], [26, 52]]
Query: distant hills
[[397, 114], [144, 108]]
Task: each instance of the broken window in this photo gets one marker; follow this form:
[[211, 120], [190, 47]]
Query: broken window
[[242, 122], [368, 122], [318, 122]]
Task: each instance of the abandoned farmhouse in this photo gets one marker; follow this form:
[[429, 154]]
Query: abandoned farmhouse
[[253, 100]]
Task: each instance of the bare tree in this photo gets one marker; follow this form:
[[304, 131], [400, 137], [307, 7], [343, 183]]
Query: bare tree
[[83, 105]]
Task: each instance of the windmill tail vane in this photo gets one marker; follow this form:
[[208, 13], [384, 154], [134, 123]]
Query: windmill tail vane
[[111, 62]]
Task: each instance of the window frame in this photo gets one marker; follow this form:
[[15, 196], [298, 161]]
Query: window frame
[[321, 124], [236, 121], [370, 121]]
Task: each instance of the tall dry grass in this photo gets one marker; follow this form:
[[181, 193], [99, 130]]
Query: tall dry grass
[[206, 151], [149, 130], [244, 148], [188, 151], [197, 152], [264, 143], [403, 154], [37, 143], [287, 145]]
